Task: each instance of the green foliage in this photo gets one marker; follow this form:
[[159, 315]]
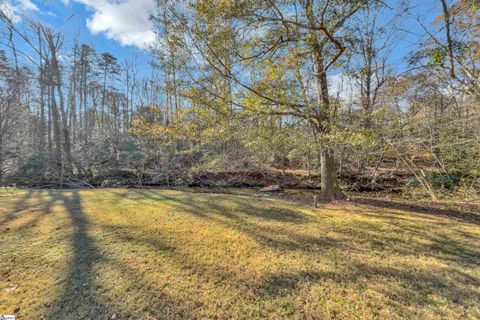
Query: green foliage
[[437, 56], [439, 180], [34, 165]]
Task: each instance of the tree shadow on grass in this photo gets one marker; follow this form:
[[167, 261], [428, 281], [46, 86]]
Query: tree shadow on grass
[[78, 299], [372, 237], [247, 217], [31, 204], [421, 209], [244, 205], [250, 219], [415, 237], [402, 287], [20, 206], [416, 287]]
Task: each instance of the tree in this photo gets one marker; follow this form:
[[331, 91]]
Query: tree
[[85, 68], [109, 66], [8, 100], [452, 44], [370, 69], [306, 33]]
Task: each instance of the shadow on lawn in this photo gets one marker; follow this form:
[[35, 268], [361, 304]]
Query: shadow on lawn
[[20, 206], [459, 215], [78, 299], [411, 288], [31, 203], [248, 218], [400, 236], [244, 211]]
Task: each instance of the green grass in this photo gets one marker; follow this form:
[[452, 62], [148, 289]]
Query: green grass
[[166, 254]]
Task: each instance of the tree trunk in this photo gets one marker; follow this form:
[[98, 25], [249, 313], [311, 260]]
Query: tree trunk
[[56, 80], [42, 84], [328, 170], [104, 89], [329, 185], [1, 155], [56, 125], [330, 190]]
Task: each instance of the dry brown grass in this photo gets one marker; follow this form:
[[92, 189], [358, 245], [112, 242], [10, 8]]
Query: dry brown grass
[[165, 254]]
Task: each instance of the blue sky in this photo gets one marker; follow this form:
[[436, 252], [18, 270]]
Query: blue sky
[[71, 18], [119, 27], [122, 27]]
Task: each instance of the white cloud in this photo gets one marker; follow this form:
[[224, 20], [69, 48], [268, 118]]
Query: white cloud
[[126, 21], [344, 87], [49, 13], [27, 5], [16, 9]]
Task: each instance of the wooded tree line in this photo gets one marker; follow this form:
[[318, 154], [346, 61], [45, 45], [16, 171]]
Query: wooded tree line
[[247, 86]]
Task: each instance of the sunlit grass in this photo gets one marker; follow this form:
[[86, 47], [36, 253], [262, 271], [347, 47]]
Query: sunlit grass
[[165, 254]]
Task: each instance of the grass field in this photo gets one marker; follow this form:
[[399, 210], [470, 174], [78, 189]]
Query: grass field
[[166, 254]]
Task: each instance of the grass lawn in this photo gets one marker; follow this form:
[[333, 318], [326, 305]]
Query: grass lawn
[[166, 254]]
